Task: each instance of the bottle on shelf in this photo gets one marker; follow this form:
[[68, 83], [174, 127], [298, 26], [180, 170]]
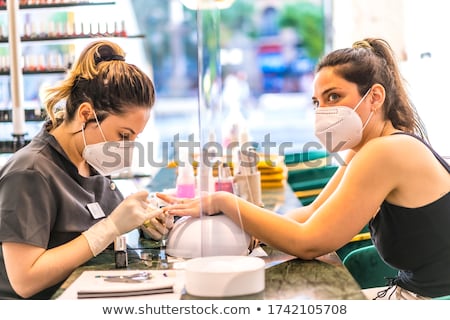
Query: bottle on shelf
[[224, 180], [185, 184], [207, 163], [247, 177]]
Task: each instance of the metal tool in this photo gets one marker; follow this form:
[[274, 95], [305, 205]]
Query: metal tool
[[131, 278]]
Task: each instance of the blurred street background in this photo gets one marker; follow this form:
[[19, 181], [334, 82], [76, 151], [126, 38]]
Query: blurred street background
[[252, 64], [270, 48]]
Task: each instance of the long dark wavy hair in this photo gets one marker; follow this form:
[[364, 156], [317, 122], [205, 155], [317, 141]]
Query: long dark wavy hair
[[371, 61]]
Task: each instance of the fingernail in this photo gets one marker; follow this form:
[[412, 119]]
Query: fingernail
[[146, 223]]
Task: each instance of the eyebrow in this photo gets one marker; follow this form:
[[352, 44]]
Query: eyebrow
[[326, 92]]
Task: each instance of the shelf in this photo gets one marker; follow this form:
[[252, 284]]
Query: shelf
[[56, 71], [7, 146], [94, 36], [30, 115], [61, 5], [64, 38]]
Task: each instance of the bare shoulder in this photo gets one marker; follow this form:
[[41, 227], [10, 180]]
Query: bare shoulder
[[391, 160], [396, 150], [394, 162]]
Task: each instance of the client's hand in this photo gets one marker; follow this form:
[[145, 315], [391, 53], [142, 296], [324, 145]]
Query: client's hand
[[157, 227], [190, 207]]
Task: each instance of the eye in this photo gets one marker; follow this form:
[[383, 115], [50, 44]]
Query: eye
[[333, 97], [124, 136], [315, 104]]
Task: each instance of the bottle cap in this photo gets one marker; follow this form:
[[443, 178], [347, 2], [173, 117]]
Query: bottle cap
[[120, 243], [186, 170]]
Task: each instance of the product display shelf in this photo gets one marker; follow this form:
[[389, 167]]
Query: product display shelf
[[62, 39], [50, 4]]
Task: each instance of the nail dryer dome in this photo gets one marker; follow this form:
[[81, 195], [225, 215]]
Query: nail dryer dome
[[214, 235]]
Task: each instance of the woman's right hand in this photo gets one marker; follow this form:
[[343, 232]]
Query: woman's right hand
[[132, 212]]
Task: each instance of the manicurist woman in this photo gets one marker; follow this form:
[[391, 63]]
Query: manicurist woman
[[58, 204]]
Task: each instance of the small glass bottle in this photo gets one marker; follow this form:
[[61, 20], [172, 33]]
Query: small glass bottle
[[120, 252], [185, 185], [224, 181]]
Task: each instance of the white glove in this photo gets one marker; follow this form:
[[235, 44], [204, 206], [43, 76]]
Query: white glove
[[157, 227], [129, 214]]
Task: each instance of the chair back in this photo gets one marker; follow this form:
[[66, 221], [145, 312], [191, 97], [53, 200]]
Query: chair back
[[367, 267]]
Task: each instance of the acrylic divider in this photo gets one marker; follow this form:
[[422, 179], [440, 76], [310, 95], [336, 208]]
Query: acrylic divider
[[210, 110]]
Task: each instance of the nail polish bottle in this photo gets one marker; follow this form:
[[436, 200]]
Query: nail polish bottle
[[224, 181], [120, 252], [185, 185]]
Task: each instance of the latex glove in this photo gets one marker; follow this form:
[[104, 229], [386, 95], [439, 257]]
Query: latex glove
[[128, 215], [156, 228]]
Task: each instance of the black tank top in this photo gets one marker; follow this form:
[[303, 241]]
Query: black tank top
[[417, 242]]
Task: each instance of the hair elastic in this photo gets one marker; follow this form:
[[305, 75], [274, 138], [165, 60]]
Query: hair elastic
[[118, 57]]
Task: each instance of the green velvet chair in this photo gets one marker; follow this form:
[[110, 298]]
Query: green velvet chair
[[362, 239], [308, 173], [367, 267], [370, 271]]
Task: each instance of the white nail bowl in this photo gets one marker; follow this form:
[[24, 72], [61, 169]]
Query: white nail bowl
[[224, 276]]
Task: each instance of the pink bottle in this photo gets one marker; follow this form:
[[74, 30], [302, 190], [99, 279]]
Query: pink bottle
[[185, 185], [224, 181]]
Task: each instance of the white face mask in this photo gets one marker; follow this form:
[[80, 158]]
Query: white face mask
[[340, 128], [108, 157]]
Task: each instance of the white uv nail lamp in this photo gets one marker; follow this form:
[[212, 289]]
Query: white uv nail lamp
[[214, 235]]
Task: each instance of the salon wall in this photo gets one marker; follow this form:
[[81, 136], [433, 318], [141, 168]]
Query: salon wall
[[417, 31], [356, 19]]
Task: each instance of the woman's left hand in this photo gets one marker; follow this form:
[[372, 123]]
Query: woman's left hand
[[189, 207]]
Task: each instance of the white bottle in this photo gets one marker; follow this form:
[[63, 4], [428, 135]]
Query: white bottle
[[205, 178], [205, 169]]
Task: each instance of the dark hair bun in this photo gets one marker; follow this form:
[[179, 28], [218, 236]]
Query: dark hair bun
[[106, 53]]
